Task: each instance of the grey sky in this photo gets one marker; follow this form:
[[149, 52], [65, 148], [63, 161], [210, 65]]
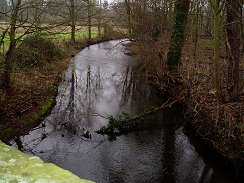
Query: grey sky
[[110, 1]]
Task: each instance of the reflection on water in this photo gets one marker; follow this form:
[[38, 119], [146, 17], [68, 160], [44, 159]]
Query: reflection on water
[[101, 81]]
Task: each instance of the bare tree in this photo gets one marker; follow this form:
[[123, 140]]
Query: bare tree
[[12, 34], [72, 20], [19, 21], [99, 18], [89, 17]]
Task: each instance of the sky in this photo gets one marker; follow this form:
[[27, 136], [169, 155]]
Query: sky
[[110, 1]]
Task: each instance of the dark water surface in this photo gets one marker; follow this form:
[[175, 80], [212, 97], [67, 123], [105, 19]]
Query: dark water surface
[[99, 82]]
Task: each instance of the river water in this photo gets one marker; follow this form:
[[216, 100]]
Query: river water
[[101, 81]]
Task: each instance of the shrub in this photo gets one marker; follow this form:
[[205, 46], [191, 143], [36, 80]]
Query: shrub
[[35, 51]]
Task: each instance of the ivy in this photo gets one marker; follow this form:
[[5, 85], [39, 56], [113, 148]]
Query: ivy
[[124, 122]]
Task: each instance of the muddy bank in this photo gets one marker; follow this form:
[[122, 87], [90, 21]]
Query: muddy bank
[[219, 124], [222, 137]]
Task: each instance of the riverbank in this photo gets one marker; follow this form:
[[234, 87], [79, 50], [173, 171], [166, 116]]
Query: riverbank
[[220, 125], [33, 92]]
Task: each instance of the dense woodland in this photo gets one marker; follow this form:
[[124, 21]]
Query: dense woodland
[[190, 49]]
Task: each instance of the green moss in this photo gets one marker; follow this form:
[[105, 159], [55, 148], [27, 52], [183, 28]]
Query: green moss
[[16, 166], [47, 106]]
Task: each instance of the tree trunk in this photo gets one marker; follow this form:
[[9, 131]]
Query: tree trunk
[[89, 20], [196, 23], [217, 9], [99, 20], [72, 20], [207, 30], [233, 30], [7, 64], [178, 33], [128, 12], [38, 5]]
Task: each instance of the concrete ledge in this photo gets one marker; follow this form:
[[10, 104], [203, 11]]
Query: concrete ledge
[[16, 166]]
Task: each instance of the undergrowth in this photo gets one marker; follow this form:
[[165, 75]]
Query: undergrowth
[[35, 51], [195, 79]]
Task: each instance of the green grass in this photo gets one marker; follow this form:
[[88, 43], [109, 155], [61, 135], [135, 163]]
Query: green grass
[[6, 41], [82, 34], [66, 36]]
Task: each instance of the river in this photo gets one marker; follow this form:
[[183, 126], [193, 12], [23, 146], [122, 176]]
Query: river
[[101, 81]]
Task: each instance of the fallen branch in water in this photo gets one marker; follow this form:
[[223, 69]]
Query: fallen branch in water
[[117, 126]]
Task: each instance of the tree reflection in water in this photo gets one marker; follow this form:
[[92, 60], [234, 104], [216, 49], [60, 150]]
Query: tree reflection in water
[[103, 81]]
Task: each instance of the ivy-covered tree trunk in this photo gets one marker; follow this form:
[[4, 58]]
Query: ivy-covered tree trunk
[[178, 33], [233, 30]]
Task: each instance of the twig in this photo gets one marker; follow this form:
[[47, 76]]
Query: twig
[[150, 112]]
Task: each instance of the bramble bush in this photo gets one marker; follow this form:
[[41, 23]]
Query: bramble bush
[[34, 51]]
